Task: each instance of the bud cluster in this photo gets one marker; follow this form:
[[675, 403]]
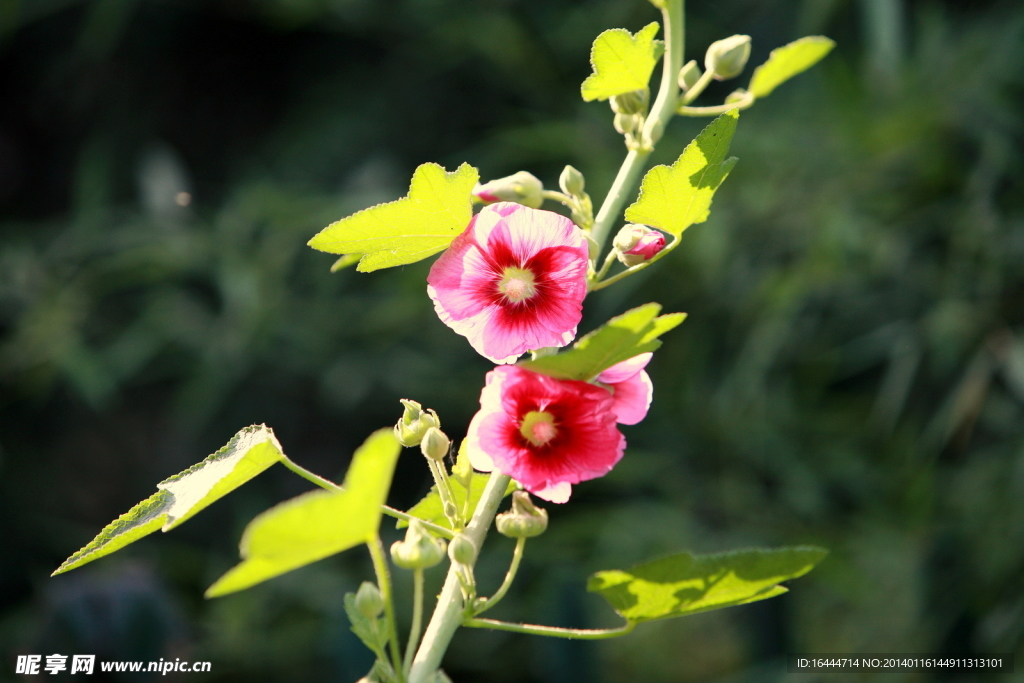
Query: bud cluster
[[630, 114], [414, 424]]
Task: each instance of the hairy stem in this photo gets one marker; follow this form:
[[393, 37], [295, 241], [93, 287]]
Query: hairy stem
[[448, 613], [554, 631], [380, 567]]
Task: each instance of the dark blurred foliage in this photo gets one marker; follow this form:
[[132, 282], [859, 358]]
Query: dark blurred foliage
[[851, 373]]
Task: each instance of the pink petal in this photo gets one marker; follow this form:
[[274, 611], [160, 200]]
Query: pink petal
[[555, 493], [632, 398], [620, 372]]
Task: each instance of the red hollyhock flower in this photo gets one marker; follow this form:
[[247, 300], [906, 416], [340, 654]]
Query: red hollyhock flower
[[545, 433]]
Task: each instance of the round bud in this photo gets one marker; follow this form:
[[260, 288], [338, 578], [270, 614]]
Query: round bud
[[727, 57], [625, 123], [571, 181], [461, 550], [524, 520], [634, 102], [419, 550], [435, 444], [689, 75], [522, 188], [414, 423], [635, 244], [368, 600]]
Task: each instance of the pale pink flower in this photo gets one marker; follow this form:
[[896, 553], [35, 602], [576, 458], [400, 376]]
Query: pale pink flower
[[545, 433], [631, 388], [513, 281]]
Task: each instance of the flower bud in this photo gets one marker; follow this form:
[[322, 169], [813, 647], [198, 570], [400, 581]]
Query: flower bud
[[419, 550], [727, 57], [414, 424], [368, 600], [571, 181], [637, 243], [461, 550], [689, 75], [634, 102], [625, 123], [435, 444], [524, 520], [522, 188]]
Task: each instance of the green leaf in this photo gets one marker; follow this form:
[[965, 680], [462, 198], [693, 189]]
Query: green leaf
[[430, 508], [248, 453], [317, 524], [630, 334], [437, 209], [345, 261], [686, 584], [372, 631], [787, 61], [672, 198], [622, 62]]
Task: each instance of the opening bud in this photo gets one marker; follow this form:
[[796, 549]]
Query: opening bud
[[571, 181], [461, 550], [368, 600], [524, 520], [414, 424], [727, 57], [634, 102], [435, 444], [637, 243], [689, 75], [419, 550], [522, 188]]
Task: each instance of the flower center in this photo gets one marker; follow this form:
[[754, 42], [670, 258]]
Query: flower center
[[538, 428], [517, 284]]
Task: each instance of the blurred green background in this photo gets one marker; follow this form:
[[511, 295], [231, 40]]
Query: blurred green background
[[851, 373]]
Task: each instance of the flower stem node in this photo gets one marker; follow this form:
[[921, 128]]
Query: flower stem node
[[435, 444], [369, 601], [462, 550], [689, 75], [524, 520], [727, 57], [419, 550], [522, 188], [635, 244], [414, 424], [634, 102], [571, 181]]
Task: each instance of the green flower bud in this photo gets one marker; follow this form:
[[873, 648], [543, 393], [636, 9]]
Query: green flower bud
[[524, 520], [461, 550], [368, 600], [414, 424], [634, 102], [727, 57], [435, 444], [571, 181], [522, 188], [626, 123], [419, 550], [450, 510], [689, 75]]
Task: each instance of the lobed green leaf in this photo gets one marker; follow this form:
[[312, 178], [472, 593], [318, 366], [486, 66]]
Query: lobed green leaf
[[622, 62], [684, 584], [788, 61], [248, 453], [436, 210], [672, 198], [634, 332], [318, 524]]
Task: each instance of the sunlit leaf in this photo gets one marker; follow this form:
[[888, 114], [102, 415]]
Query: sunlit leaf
[[409, 229], [672, 198], [684, 584], [630, 334], [622, 62], [318, 524], [788, 61], [248, 453]]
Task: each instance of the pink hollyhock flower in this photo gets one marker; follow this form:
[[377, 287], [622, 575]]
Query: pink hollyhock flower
[[637, 243], [631, 388], [545, 433], [513, 281]]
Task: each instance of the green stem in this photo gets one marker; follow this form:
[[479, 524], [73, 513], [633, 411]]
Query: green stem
[[444, 489], [380, 567], [744, 103], [510, 575], [557, 197], [601, 284], [554, 631], [661, 113], [417, 619], [448, 613], [698, 87], [387, 510]]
